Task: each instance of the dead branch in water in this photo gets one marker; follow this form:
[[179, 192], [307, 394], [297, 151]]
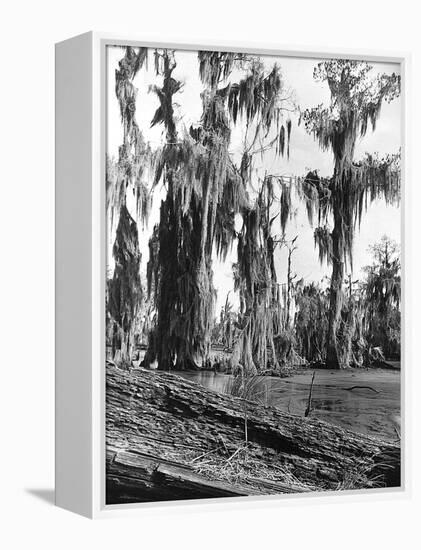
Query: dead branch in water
[[361, 388], [308, 408]]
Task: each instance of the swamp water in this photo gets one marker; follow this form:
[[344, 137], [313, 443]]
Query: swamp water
[[360, 409]]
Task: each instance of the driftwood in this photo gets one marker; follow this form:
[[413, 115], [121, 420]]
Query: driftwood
[[168, 439], [361, 388]]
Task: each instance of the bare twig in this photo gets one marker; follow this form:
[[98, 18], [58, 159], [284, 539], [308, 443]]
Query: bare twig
[[309, 408], [234, 454], [203, 455]]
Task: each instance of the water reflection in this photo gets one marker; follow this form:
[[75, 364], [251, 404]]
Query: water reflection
[[221, 383]]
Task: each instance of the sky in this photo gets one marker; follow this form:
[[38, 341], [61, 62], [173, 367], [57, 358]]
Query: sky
[[305, 154]]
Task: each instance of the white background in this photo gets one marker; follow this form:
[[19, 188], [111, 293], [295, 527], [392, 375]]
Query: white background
[[28, 32]]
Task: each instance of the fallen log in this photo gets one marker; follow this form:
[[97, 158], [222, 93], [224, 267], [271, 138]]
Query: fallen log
[[143, 478], [168, 439]]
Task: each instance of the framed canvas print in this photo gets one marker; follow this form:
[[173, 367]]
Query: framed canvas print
[[229, 268]]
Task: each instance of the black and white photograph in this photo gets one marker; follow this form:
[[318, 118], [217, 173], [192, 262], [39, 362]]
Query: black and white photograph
[[253, 280], [210, 275]]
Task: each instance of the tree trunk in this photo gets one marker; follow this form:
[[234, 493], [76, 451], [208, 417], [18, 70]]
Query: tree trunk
[[333, 357], [163, 432], [124, 289], [167, 286]]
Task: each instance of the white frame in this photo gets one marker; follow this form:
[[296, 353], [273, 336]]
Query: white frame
[[81, 268]]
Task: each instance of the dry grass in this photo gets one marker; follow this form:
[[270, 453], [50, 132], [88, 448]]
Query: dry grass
[[241, 467], [361, 477]]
